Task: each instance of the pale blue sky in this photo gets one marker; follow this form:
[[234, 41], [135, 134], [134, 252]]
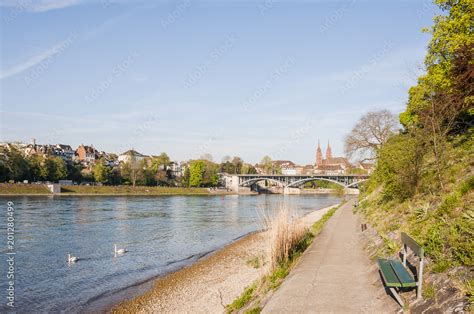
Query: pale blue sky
[[245, 78]]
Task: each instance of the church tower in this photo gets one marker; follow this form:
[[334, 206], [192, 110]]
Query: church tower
[[328, 152], [319, 156]]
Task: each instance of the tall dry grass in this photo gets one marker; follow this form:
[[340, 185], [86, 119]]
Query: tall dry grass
[[286, 233]]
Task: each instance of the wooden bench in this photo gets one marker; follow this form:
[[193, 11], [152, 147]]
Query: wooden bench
[[395, 274]]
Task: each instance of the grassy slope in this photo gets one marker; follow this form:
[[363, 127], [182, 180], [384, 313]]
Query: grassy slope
[[11, 189], [441, 221], [25, 189]]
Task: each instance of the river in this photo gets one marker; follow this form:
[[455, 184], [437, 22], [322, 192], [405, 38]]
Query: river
[[162, 234]]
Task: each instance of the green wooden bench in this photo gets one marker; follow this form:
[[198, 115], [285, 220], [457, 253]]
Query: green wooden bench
[[395, 274]]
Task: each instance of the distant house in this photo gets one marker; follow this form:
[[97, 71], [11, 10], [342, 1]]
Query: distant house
[[65, 152], [307, 170], [86, 154], [176, 169], [329, 169], [368, 167], [289, 170], [287, 167], [130, 155]]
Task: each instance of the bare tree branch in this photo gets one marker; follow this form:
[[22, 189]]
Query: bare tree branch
[[367, 136]]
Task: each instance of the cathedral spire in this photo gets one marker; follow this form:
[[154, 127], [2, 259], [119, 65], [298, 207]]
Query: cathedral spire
[[319, 155], [328, 151]]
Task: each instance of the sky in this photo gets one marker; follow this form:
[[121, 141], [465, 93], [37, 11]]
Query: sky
[[245, 78]]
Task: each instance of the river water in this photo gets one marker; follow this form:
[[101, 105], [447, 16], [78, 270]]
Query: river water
[[162, 234]]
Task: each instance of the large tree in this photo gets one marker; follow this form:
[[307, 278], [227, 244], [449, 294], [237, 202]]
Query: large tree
[[101, 172], [266, 164], [196, 172], [369, 134]]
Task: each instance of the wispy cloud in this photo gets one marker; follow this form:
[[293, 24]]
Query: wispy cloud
[[39, 6], [19, 68]]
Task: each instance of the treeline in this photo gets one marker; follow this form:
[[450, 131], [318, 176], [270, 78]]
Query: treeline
[[204, 173], [423, 182], [150, 172], [15, 167]]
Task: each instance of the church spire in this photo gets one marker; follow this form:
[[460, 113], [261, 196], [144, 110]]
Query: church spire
[[328, 151], [319, 155]]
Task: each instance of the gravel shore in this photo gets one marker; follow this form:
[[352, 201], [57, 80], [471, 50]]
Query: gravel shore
[[211, 283]]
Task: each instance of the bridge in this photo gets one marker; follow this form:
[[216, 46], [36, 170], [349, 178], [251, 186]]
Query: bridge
[[235, 182]]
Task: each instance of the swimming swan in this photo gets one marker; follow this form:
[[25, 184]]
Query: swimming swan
[[71, 259], [119, 251]]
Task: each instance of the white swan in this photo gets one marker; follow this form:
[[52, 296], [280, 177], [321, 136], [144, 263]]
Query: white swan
[[71, 259], [119, 251]]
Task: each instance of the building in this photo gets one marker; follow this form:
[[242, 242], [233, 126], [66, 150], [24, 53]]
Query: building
[[285, 166], [330, 165], [65, 152], [130, 155], [329, 169], [176, 169], [368, 167], [86, 154]]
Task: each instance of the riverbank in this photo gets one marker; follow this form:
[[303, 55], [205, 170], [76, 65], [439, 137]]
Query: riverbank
[[213, 282], [8, 189]]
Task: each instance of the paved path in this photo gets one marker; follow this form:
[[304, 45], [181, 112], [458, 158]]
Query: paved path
[[334, 275]]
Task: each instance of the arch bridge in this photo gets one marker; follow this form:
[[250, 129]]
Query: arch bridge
[[292, 181]]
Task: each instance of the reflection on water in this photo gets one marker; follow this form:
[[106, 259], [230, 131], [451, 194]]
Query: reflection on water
[[162, 234]]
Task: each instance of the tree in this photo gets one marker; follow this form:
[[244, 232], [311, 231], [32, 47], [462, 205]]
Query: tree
[[196, 172], [202, 173], [248, 169], [371, 131], [399, 166], [17, 166], [266, 164], [162, 160], [36, 163], [3, 171], [228, 167], [53, 169], [74, 171], [237, 162], [101, 172]]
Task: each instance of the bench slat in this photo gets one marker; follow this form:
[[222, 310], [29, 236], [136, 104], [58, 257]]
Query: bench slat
[[389, 276], [405, 278], [406, 239]]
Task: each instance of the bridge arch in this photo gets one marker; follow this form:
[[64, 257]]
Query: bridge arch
[[355, 183], [303, 181], [253, 181]]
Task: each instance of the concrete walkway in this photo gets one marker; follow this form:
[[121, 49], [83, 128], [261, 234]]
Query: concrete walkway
[[334, 275]]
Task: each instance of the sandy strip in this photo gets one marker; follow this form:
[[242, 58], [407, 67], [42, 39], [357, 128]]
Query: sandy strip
[[210, 284]]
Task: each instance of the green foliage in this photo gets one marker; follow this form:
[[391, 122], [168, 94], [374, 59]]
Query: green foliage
[[254, 310], [266, 164], [196, 172], [54, 169], [202, 173], [101, 172], [449, 52], [254, 262], [277, 276], [243, 300], [398, 167], [317, 227], [429, 292]]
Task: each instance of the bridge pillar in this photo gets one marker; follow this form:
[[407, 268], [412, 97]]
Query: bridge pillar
[[289, 191], [232, 182], [351, 191]]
